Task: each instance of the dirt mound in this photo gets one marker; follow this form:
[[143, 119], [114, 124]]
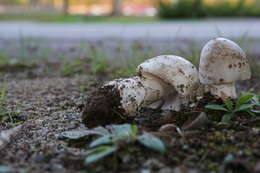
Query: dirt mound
[[103, 107]]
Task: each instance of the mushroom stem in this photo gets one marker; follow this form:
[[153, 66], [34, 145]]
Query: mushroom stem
[[223, 91], [175, 103]]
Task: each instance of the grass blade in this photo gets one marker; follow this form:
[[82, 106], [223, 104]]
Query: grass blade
[[244, 99], [216, 107], [229, 104], [134, 130], [99, 153], [152, 142], [245, 107], [102, 141], [226, 118]]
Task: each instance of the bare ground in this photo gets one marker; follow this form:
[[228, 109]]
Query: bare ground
[[48, 105]]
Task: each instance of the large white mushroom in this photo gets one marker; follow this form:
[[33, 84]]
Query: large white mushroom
[[166, 81], [179, 76], [222, 63]]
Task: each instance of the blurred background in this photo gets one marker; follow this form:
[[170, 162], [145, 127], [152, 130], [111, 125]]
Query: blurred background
[[127, 31], [162, 8], [53, 53], [81, 7]]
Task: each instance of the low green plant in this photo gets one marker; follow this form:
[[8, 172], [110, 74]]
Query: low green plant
[[2, 98], [192, 53], [198, 8], [69, 68], [98, 60], [222, 8], [51, 17], [3, 111], [3, 60], [111, 138], [5, 115], [127, 70], [244, 103], [181, 9]]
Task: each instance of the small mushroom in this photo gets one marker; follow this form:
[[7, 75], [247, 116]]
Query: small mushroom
[[222, 63], [167, 82]]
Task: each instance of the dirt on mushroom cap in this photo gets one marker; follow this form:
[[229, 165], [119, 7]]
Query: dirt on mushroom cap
[[223, 61]]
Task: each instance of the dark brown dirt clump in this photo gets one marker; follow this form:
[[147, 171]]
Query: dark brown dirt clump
[[103, 107]]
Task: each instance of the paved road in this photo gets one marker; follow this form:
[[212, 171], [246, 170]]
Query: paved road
[[192, 30], [69, 40]]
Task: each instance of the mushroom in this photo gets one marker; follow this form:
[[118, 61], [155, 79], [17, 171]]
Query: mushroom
[[178, 75], [222, 63], [137, 91], [167, 82]]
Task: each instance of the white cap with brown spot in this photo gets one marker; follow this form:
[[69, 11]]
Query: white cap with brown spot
[[180, 78], [222, 63]]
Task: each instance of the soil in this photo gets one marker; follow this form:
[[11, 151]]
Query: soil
[[45, 104], [103, 108]]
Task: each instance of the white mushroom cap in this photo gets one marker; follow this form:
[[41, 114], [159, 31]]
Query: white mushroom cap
[[173, 70], [176, 72], [223, 61]]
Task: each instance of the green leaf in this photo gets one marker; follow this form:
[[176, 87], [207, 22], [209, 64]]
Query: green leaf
[[102, 141], [5, 118], [227, 118], [250, 112], [256, 100], [3, 92], [216, 107], [98, 153], [101, 130], [3, 111], [5, 169], [134, 130], [245, 107], [229, 104], [77, 134], [242, 99], [255, 111], [152, 142], [121, 130]]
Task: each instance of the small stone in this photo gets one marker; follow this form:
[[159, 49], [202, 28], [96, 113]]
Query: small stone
[[165, 170], [71, 118], [168, 128], [229, 158], [7, 135], [257, 168], [182, 169], [153, 164], [145, 171]]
